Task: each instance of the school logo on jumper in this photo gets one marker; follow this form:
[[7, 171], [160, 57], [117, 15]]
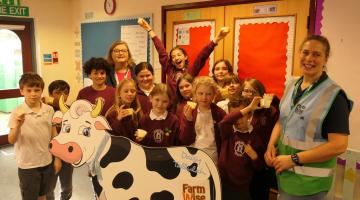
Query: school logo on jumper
[[239, 148], [194, 192], [158, 135]]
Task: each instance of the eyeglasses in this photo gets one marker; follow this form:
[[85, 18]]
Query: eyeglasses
[[119, 50], [249, 91]]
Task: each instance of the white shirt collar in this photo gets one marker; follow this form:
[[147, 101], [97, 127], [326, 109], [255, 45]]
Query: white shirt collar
[[161, 117], [238, 130]]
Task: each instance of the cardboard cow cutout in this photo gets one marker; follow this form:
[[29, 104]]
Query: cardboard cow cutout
[[122, 169]]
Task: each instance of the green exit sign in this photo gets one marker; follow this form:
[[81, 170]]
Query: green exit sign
[[13, 8]]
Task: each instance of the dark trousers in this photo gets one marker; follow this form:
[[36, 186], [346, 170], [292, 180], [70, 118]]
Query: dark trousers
[[34, 182], [229, 193], [261, 183], [65, 178]]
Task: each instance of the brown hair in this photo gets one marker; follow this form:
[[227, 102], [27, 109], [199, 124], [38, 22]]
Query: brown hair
[[323, 40], [183, 51], [113, 45], [236, 101], [31, 79], [256, 84], [186, 77], [226, 62]]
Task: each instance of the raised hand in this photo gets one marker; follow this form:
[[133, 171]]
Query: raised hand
[[221, 35], [143, 23]]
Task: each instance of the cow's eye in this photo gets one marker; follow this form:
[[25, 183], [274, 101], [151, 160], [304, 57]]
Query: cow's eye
[[86, 132], [67, 128]]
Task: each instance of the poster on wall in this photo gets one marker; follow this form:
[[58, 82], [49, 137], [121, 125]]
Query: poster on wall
[[193, 37], [263, 49], [122, 169], [136, 37]]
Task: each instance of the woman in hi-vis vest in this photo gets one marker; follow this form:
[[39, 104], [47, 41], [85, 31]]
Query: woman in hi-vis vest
[[312, 129]]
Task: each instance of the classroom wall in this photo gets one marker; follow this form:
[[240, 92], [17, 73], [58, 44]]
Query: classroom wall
[[340, 26], [57, 26], [56, 22], [53, 32], [125, 8]]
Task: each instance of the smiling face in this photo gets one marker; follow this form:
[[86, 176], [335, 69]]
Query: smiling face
[[120, 53], [312, 58], [128, 93], [185, 89], [145, 79], [98, 77], [249, 91], [178, 58], [221, 71], [233, 88]]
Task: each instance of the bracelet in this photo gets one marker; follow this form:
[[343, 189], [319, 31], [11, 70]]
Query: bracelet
[[295, 159], [149, 30]]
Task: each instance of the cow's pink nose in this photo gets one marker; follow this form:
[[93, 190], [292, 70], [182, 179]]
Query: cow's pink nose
[[69, 152]]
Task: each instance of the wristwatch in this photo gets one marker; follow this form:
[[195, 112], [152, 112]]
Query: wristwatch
[[295, 159]]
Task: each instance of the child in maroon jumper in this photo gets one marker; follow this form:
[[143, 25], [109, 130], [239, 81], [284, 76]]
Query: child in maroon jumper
[[199, 126], [241, 149], [124, 115], [183, 94], [98, 69], [144, 73], [162, 126], [175, 65]]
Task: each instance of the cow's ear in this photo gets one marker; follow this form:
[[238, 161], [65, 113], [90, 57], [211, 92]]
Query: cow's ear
[[57, 117], [101, 123]]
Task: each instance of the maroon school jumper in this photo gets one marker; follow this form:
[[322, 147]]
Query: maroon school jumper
[[179, 109], [235, 166], [265, 119], [160, 133], [126, 127], [108, 95], [144, 101], [188, 133], [171, 74]]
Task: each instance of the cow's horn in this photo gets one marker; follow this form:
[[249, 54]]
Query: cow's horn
[[63, 107], [98, 107]]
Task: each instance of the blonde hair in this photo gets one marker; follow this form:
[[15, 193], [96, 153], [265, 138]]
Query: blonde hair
[[109, 58], [161, 88], [204, 80], [134, 105]]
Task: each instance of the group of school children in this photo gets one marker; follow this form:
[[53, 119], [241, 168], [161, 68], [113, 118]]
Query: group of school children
[[221, 115]]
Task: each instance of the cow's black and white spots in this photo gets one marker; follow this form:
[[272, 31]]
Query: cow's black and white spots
[[159, 160], [163, 195], [122, 169], [123, 180]]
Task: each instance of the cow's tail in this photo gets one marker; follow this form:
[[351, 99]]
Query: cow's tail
[[214, 179]]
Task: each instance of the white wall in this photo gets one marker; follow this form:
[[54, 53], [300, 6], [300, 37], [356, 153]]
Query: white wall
[[341, 26]]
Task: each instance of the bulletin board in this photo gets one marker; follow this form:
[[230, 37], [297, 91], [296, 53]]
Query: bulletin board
[[263, 49], [97, 36], [193, 36]]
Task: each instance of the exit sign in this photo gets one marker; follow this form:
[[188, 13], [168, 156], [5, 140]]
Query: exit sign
[[13, 8]]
